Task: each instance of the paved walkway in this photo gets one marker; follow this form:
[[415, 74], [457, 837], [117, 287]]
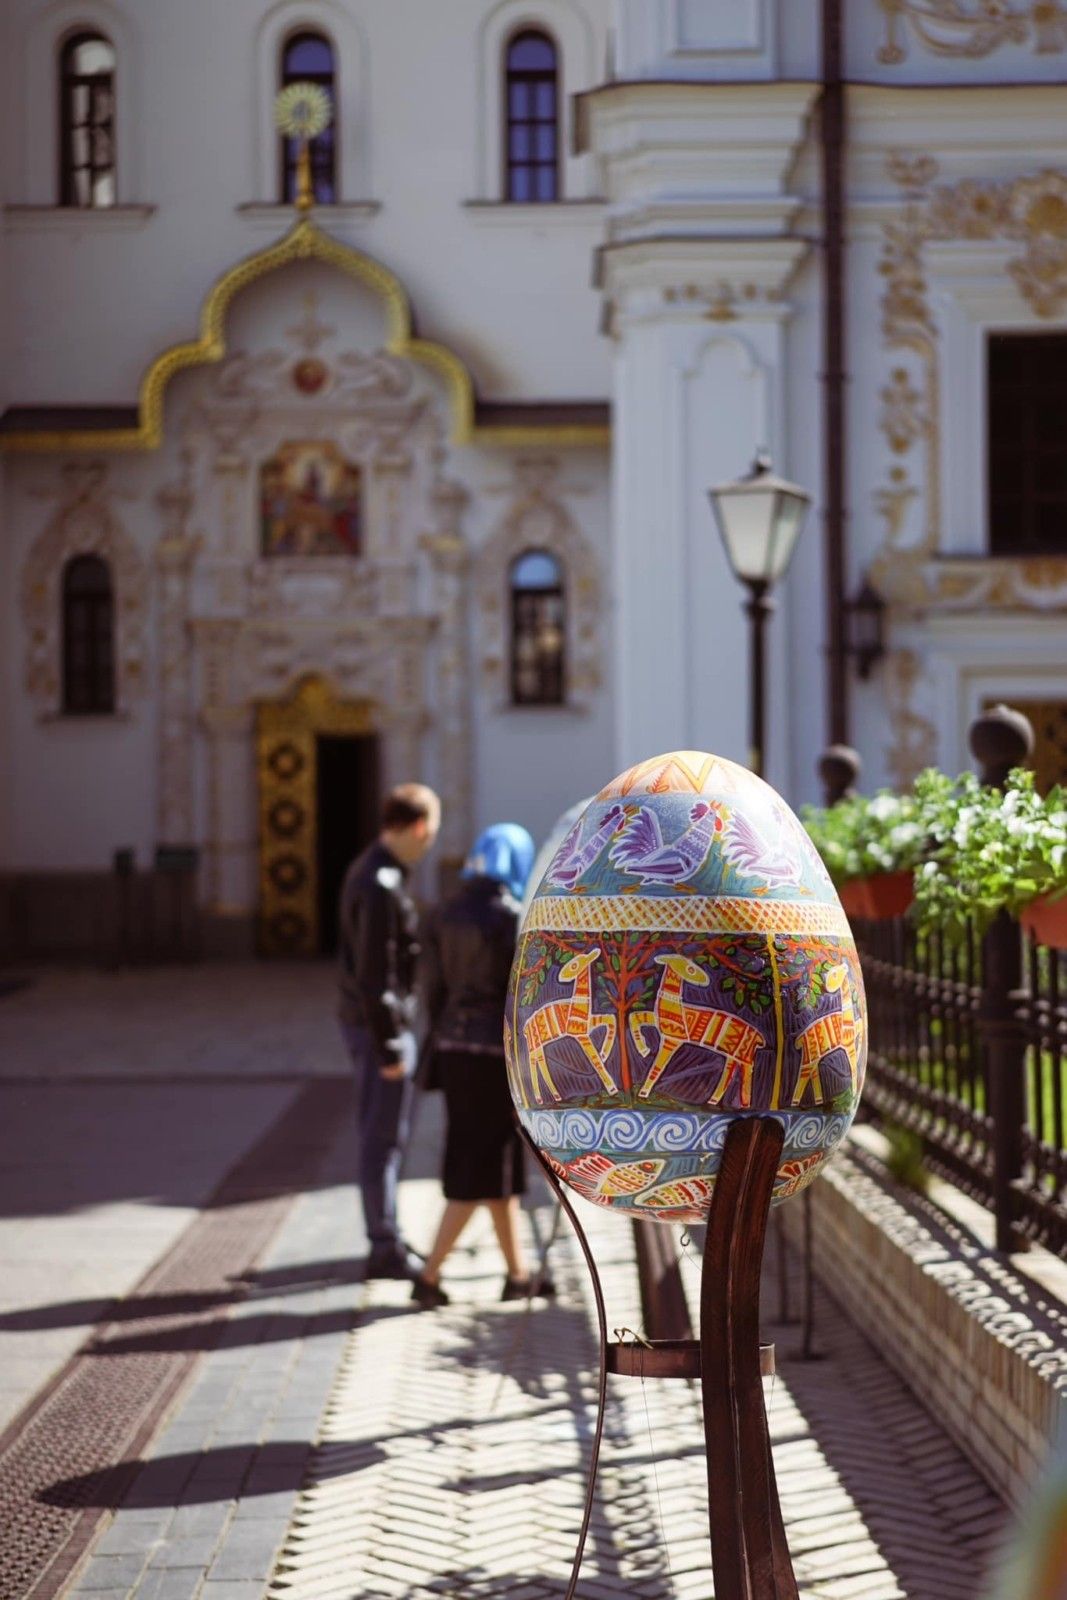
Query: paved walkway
[[326, 1441], [124, 1098]]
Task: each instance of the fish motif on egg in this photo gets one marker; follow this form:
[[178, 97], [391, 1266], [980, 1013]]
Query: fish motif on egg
[[685, 961]]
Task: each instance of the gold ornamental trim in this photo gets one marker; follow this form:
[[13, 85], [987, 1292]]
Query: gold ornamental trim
[[305, 241], [702, 914], [970, 32], [287, 783]]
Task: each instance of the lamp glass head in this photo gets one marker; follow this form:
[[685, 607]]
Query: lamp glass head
[[759, 518]]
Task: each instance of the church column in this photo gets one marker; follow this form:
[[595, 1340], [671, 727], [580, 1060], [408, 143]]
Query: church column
[[695, 276], [175, 554], [450, 560]]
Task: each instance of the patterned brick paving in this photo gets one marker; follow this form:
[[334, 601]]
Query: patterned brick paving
[[57, 1458], [452, 1455]]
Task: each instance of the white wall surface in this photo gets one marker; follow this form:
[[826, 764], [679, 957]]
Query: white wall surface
[[507, 287]]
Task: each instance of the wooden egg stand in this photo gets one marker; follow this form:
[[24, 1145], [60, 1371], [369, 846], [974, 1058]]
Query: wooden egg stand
[[749, 1554]]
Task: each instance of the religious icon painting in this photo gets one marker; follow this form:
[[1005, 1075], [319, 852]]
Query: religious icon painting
[[311, 502]]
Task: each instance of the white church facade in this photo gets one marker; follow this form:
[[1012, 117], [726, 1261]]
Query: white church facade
[[296, 504]]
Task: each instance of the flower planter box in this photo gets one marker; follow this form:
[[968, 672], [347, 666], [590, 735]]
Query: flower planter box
[[879, 897], [1046, 921]]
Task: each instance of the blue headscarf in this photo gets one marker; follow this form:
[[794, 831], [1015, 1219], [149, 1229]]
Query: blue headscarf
[[505, 853]]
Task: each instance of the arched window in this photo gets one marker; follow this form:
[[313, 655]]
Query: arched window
[[87, 121], [308, 58], [538, 629], [88, 636], [531, 118]]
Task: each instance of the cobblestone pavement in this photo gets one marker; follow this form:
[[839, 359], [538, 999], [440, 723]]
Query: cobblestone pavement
[[452, 1457], [331, 1442], [241, 1019], [99, 1176]]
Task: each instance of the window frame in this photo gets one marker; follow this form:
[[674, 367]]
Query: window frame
[[516, 593], [287, 169], [99, 698], [534, 31], [69, 80]]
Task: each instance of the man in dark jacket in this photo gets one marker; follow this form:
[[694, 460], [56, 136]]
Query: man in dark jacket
[[379, 953]]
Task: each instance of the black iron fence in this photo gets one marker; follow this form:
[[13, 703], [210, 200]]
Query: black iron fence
[[968, 1050], [968, 1035]]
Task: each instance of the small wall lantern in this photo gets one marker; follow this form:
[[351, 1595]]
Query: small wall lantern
[[866, 628]]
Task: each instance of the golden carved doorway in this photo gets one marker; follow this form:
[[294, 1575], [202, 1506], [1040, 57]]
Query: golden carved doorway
[[306, 747]]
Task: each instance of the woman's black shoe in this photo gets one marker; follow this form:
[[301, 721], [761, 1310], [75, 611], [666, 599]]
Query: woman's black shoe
[[428, 1295], [540, 1285]]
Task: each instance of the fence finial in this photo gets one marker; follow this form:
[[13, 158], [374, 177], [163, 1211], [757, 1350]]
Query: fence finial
[[839, 770], [1000, 739]]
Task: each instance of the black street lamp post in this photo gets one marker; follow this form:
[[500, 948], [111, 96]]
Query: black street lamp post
[[759, 517]]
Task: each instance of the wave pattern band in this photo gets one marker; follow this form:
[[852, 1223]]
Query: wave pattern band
[[673, 1132]]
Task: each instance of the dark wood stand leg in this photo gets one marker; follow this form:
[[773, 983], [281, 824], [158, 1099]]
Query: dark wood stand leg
[[750, 1558], [749, 1554]]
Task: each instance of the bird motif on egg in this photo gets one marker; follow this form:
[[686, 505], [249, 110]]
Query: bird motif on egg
[[684, 962]]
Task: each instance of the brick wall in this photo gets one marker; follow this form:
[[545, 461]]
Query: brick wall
[[982, 1345]]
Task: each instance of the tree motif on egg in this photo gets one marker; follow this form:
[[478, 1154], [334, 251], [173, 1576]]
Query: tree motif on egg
[[684, 962]]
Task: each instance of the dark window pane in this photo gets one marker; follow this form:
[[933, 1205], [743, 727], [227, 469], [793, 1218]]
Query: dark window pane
[[537, 569], [1007, 472], [88, 636], [309, 58], [1051, 424], [1027, 423], [87, 108], [545, 100], [1051, 473], [91, 55], [1050, 525], [309, 53], [532, 129], [538, 629], [532, 52], [546, 183]]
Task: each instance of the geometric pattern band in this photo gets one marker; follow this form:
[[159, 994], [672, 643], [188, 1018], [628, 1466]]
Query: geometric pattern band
[[701, 914]]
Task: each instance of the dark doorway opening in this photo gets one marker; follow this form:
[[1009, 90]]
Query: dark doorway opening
[[347, 817]]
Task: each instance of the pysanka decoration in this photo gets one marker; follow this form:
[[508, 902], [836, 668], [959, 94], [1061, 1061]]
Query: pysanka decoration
[[684, 962], [302, 110]]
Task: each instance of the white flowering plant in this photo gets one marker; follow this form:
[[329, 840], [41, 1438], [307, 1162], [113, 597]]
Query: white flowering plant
[[859, 837], [989, 850]]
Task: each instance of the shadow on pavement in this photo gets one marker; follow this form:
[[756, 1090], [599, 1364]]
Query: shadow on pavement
[[247, 1286], [193, 1477]]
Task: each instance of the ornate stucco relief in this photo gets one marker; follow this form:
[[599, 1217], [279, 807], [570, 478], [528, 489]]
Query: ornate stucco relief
[[971, 29], [84, 524], [725, 301], [914, 736], [449, 556], [175, 554], [537, 519], [1032, 209]]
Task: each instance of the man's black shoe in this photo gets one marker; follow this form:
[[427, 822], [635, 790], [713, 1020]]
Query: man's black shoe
[[393, 1264]]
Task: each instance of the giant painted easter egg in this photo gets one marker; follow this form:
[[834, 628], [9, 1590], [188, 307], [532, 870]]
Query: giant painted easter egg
[[684, 962]]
